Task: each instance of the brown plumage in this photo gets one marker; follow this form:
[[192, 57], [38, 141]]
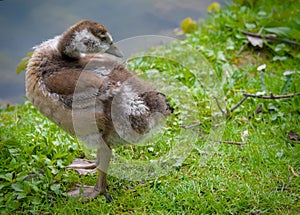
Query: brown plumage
[[77, 81]]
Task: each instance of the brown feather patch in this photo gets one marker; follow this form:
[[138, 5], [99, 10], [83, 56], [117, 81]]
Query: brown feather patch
[[64, 82]]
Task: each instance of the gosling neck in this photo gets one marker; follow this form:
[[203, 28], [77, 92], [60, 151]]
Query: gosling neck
[[67, 45]]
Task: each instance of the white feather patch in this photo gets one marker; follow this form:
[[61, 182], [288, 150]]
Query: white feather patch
[[133, 104], [85, 42], [49, 44]]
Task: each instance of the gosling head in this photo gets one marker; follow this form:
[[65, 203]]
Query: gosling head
[[87, 37]]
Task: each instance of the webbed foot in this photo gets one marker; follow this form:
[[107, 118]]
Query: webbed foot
[[88, 192]]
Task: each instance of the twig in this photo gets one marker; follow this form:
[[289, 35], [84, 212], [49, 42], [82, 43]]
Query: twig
[[219, 106], [225, 141], [271, 37], [239, 103], [272, 96], [191, 126], [229, 142]]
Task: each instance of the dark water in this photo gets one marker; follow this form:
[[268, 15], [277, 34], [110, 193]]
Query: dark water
[[27, 23]]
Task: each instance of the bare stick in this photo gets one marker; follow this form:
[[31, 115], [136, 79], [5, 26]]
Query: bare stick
[[219, 106], [272, 96], [271, 37], [229, 142], [239, 103], [224, 141]]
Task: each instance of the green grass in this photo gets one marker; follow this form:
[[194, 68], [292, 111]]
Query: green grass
[[254, 178]]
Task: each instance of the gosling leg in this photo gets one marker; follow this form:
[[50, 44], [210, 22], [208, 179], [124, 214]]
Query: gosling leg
[[102, 163], [103, 158]]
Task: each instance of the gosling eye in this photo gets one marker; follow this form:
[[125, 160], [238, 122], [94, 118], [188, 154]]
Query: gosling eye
[[102, 35]]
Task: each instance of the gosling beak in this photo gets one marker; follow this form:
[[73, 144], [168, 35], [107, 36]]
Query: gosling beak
[[114, 50]]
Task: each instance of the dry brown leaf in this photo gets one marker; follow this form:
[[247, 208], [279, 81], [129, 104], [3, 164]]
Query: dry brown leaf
[[255, 41], [293, 136], [293, 171]]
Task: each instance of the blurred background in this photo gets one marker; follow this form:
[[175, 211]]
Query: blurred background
[[25, 24]]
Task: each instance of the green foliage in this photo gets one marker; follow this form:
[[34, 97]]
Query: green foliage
[[33, 154], [260, 177]]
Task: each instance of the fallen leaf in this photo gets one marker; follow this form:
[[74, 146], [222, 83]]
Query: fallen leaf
[[258, 109], [293, 171], [293, 136], [255, 41]]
